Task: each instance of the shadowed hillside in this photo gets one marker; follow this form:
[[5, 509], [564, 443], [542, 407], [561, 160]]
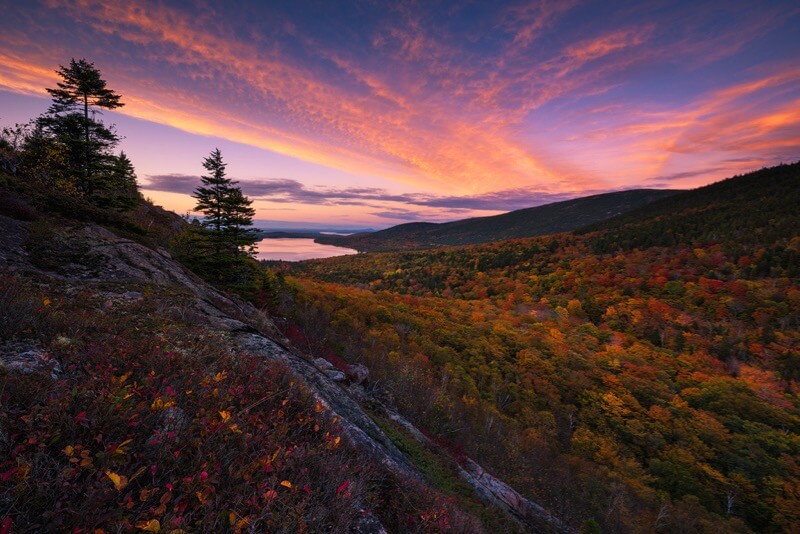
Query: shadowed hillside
[[529, 222], [756, 208]]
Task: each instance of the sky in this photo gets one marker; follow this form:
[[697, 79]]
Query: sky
[[363, 113]]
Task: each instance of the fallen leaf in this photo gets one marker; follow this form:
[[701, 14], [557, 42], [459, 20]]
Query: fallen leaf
[[149, 526], [120, 481], [120, 448]]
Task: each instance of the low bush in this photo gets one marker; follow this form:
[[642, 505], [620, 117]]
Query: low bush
[[157, 425]]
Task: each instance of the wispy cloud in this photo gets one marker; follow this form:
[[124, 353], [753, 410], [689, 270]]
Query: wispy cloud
[[398, 214]]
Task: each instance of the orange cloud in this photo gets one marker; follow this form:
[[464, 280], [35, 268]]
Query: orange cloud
[[18, 75], [308, 117]]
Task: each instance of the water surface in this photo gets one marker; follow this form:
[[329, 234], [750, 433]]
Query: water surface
[[291, 249]]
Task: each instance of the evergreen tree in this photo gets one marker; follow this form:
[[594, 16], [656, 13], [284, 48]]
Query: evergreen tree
[[116, 185], [125, 175], [87, 141], [227, 217], [238, 219], [211, 199], [82, 87]]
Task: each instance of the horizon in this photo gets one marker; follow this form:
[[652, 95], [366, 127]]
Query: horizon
[[342, 115]]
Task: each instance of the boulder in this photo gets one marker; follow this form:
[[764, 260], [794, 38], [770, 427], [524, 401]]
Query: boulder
[[173, 419], [357, 373], [322, 364], [335, 374]]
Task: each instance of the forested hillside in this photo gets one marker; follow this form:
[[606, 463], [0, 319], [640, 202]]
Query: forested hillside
[[529, 222], [751, 210], [641, 375]]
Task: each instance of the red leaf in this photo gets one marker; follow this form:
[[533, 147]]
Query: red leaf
[[6, 476], [80, 419], [343, 487], [5, 528]]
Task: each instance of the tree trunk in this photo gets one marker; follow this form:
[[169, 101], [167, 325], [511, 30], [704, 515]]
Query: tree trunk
[[87, 188]]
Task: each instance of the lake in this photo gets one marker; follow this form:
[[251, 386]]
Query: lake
[[291, 249]]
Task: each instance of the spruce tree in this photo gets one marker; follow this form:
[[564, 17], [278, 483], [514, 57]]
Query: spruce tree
[[82, 86], [238, 219], [227, 217]]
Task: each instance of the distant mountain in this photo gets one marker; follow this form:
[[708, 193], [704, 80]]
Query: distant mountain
[[541, 220], [751, 210]]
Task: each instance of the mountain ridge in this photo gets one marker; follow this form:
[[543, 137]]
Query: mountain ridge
[[551, 218]]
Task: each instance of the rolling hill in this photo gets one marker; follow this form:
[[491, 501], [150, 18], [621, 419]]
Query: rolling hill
[[529, 222]]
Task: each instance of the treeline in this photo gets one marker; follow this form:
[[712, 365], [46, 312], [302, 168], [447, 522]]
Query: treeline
[[743, 212]]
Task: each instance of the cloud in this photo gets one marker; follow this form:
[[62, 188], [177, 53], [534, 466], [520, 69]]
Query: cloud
[[401, 215], [728, 130], [408, 96], [506, 200], [666, 179], [285, 190], [528, 21]]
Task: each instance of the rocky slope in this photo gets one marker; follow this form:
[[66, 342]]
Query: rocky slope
[[85, 255]]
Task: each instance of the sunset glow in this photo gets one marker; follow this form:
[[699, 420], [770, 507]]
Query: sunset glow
[[363, 114]]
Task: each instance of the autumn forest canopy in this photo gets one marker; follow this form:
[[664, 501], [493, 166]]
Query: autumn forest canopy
[[636, 372]]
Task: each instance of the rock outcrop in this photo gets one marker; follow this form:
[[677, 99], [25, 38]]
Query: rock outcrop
[[86, 254], [356, 424], [493, 490], [357, 373], [21, 357]]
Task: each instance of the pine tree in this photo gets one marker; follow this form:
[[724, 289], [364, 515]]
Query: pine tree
[[227, 216], [238, 219], [82, 86], [87, 141], [211, 199]]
